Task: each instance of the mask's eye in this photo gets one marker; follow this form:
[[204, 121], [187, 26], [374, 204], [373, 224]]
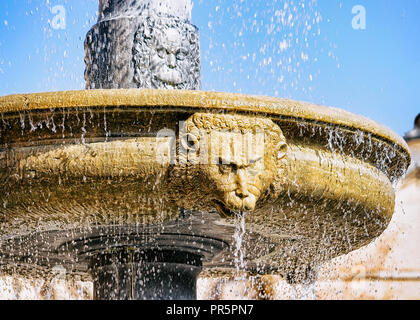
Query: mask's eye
[[161, 52], [181, 54], [252, 169], [225, 168]]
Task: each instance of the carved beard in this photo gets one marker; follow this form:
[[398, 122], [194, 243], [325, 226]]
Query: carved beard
[[233, 195], [162, 74]]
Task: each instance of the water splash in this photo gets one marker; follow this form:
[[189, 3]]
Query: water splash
[[272, 44], [240, 230]]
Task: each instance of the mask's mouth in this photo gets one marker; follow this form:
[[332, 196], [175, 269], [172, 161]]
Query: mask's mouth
[[169, 76], [224, 211]]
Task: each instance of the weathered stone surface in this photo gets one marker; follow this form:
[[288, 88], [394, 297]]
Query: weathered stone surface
[[112, 9], [143, 44], [129, 157], [136, 179]]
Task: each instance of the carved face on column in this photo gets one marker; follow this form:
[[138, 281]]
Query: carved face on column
[[233, 158], [168, 64], [166, 55]]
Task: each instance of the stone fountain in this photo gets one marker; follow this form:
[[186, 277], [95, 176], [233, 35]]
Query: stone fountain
[[145, 181]]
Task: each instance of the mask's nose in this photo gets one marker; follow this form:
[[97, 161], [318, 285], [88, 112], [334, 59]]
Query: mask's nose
[[242, 179], [248, 207], [172, 60]]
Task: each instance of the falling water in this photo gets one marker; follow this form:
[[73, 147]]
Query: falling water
[[291, 29], [282, 60], [238, 236]]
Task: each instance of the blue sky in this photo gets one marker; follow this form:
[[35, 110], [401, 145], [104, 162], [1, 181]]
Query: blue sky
[[300, 49]]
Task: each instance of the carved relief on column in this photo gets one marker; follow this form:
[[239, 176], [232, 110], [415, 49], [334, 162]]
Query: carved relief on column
[[147, 50], [166, 54]]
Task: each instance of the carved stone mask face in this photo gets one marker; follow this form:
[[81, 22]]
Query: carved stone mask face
[[237, 158], [237, 167], [167, 62], [166, 54]]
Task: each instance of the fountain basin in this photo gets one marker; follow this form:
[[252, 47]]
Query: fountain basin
[[74, 164]]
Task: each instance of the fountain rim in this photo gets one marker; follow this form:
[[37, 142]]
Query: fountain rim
[[160, 101], [198, 101]]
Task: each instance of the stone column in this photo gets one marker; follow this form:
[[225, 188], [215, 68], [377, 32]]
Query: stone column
[[143, 44]]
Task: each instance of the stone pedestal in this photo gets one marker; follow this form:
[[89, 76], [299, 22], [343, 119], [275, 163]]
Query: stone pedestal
[[145, 275]]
